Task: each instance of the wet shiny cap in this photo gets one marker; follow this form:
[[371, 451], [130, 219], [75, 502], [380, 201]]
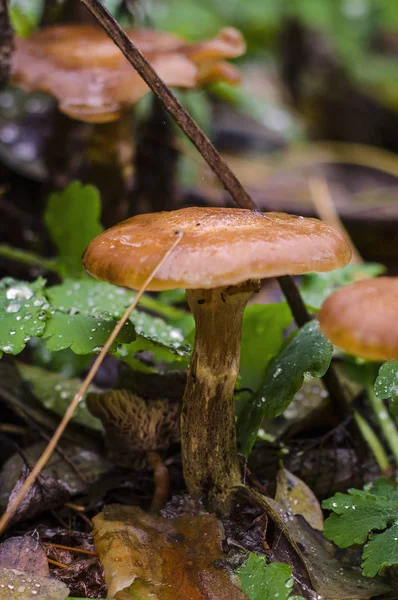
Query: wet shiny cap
[[91, 79], [220, 247], [361, 318]]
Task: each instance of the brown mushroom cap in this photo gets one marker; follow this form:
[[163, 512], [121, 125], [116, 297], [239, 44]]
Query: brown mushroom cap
[[361, 318], [86, 72], [220, 247]]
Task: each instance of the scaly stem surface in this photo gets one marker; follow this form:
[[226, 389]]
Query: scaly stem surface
[[209, 452]]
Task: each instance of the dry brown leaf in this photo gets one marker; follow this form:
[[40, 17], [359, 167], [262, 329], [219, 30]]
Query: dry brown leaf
[[25, 554], [296, 497], [162, 559]]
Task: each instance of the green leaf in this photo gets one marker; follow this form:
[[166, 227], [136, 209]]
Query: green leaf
[[316, 287], [265, 582], [24, 311], [100, 299], [371, 516], [308, 354], [386, 385], [72, 218], [262, 338], [381, 551], [56, 392], [25, 16], [82, 333], [91, 297]]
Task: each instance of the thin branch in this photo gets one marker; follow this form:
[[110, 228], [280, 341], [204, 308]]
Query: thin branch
[[42, 461], [171, 104]]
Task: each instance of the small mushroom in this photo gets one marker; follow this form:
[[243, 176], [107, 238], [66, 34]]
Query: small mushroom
[[220, 260], [82, 68], [359, 318], [136, 432], [85, 71]]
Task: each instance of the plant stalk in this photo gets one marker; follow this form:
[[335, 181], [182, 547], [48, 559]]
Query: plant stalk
[[28, 258], [384, 419], [373, 442], [208, 436]]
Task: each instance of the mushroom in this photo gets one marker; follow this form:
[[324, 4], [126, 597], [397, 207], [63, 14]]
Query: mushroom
[[220, 260], [82, 68], [85, 71], [136, 432], [360, 319]]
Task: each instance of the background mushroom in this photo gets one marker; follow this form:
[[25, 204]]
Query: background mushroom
[[93, 82], [221, 257], [136, 431], [361, 319]]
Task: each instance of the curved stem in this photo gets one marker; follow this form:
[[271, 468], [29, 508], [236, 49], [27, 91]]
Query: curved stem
[[373, 442], [28, 258], [162, 481], [208, 437], [386, 423]]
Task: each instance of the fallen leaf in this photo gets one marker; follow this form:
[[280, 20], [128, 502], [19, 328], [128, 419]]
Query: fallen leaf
[[330, 577], [24, 554], [146, 556], [296, 497], [91, 464], [17, 585], [45, 494], [84, 577]]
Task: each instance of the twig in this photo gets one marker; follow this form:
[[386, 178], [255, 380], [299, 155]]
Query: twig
[[14, 429], [42, 461], [56, 563], [171, 104], [326, 210], [62, 547]]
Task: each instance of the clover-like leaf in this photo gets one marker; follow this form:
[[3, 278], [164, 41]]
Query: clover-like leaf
[[72, 218], [370, 516], [386, 385], [82, 333], [260, 581], [24, 310], [316, 287], [103, 300], [308, 354], [90, 297]]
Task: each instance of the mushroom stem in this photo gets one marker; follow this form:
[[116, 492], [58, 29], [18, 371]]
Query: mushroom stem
[[208, 437]]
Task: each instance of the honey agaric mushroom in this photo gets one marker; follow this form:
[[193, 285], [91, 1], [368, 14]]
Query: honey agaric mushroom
[[85, 71], [220, 260], [360, 319]]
